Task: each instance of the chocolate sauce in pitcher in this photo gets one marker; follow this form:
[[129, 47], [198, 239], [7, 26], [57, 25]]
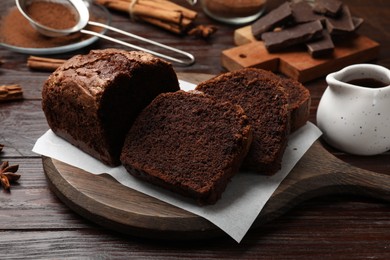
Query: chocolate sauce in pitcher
[[368, 83]]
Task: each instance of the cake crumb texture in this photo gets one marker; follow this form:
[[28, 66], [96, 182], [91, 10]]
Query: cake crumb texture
[[188, 143], [264, 100]]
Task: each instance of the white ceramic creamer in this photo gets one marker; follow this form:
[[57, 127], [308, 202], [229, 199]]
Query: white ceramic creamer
[[354, 111]]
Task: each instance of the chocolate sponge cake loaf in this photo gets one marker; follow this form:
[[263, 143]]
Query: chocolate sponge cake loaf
[[188, 143], [92, 100], [266, 104]]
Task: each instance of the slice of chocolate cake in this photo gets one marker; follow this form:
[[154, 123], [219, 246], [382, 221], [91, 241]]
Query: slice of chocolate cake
[[299, 100], [266, 104], [188, 143], [92, 100]]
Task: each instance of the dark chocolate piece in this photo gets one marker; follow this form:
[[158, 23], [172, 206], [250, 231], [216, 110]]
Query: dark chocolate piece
[[275, 41], [327, 7], [275, 18], [346, 36], [321, 47], [303, 13], [357, 22], [342, 24]]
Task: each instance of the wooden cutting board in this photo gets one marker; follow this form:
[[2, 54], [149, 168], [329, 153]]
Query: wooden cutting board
[[296, 63], [103, 200]]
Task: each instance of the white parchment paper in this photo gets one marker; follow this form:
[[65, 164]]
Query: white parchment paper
[[241, 202]]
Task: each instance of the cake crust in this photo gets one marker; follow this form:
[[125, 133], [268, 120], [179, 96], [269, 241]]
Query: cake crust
[[92, 100], [299, 103]]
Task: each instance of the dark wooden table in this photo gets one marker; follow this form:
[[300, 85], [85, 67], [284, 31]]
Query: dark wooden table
[[35, 224]]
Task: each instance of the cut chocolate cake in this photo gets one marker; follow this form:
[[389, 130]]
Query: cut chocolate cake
[[265, 102], [299, 102], [92, 100], [188, 143], [299, 98]]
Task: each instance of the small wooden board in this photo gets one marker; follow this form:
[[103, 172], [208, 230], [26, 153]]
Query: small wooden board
[[106, 202], [296, 63], [103, 200]]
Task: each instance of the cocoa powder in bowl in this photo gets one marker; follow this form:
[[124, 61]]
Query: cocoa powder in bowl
[[233, 11], [16, 30]]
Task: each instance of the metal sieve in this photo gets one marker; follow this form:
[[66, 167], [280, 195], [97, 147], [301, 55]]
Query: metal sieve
[[81, 9]]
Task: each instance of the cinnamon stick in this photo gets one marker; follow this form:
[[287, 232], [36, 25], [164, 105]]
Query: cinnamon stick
[[10, 92], [162, 13], [43, 64], [167, 5], [167, 26], [117, 5], [139, 10]]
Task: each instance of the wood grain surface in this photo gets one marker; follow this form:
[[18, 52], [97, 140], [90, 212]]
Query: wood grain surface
[[35, 224]]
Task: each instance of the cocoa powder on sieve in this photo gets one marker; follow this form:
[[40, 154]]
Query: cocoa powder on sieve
[[52, 15], [15, 30]]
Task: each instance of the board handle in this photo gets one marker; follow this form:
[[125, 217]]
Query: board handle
[[362, 182], [343, 178], [319, 173], [336, 176]]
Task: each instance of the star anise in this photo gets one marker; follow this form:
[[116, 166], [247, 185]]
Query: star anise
[[203, 31], [8, 175]]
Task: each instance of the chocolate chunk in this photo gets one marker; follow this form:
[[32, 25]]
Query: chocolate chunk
[[341, 24], [346, 36], [327, 7], [277, 17], [322, 47], [275, 41], [303, 13], [357, 22]]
